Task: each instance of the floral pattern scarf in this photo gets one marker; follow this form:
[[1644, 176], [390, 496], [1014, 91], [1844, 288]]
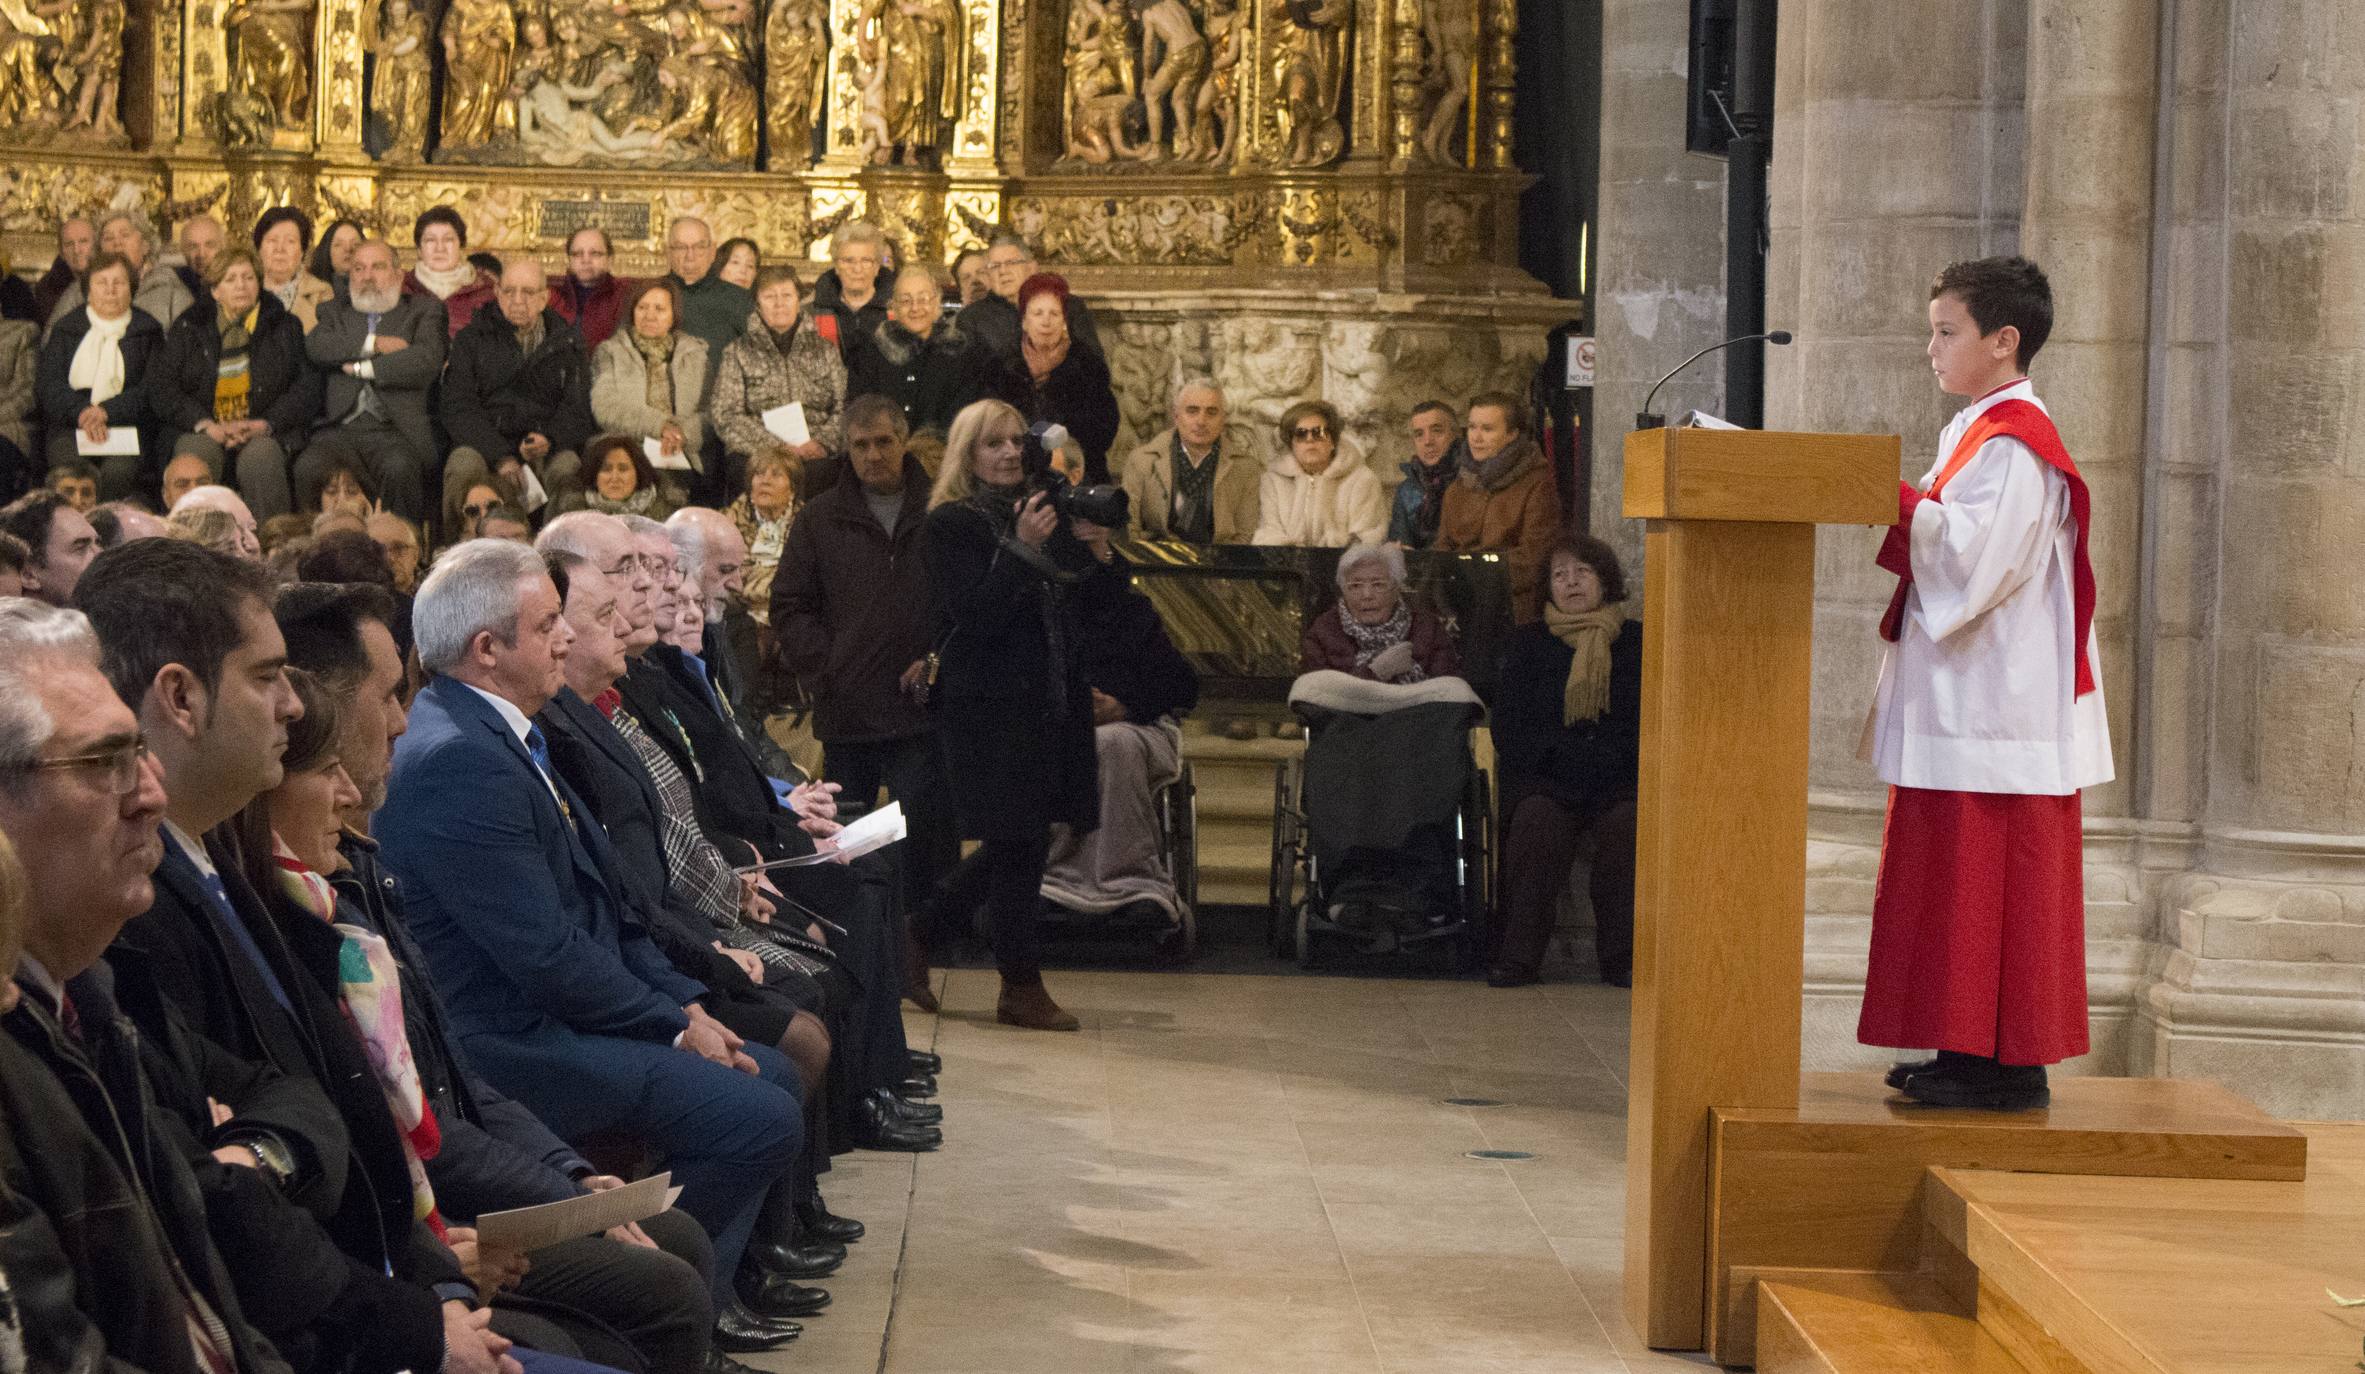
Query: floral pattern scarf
[[1371, 639], [369, 988]]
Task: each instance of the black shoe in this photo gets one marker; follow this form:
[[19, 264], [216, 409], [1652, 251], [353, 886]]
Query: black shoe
[[916, 1113], [877, 1127], [1907, 1068], [1508, 977], [718, 1362], [814, 1215], [924, 1061], [738, 1331], [769, 1296], [918, 1085], [1990, 1087], [801, 1260]]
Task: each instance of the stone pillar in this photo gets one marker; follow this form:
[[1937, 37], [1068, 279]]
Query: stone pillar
[[2261, 988], [1897, 151], [1661, 292]]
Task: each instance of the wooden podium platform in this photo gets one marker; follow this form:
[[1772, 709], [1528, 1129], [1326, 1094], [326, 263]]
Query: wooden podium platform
[[2047, 1273]]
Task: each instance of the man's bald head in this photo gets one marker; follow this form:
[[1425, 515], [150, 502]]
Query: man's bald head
[[722, 561], [524, 291]]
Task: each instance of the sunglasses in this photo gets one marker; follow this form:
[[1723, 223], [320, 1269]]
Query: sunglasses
[[1313, 432], [476, 512]]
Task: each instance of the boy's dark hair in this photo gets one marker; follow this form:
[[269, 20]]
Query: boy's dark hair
[[322, 621], [77, 468], [155, 602], [2003, 291]]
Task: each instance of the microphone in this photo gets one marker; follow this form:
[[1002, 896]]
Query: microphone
[[1645, 419]]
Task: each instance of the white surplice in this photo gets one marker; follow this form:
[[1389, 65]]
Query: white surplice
[[1978, 692]]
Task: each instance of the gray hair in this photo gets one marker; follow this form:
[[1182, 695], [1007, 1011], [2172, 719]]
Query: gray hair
[[1199, 382], [689, 546], [1388, 554], [139, 225], [473, 588], [33, 635], [856, 231], [570, 533]]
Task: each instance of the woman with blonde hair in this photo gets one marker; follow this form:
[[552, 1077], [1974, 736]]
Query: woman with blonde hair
[[1013, 709], [764, 512]]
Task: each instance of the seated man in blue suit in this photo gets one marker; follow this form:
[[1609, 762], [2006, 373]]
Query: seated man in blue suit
[[558, 997]]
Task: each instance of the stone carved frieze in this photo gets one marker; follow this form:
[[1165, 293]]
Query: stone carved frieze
[[1161, 230], [35, 195], [1152, 82], [61, 71]]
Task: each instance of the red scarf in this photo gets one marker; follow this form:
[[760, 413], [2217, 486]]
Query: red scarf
[[2014, 419]]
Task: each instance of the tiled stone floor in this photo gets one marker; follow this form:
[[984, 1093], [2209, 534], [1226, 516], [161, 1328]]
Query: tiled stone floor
[[1243, 1173]]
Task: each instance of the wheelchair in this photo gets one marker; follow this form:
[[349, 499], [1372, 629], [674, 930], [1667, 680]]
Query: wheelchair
[[1383, 830], [1177, 804]]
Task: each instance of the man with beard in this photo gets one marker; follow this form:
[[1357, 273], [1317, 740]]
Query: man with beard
[[382, 350]]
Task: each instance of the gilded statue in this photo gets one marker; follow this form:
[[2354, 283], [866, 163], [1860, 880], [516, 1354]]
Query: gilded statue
[[1174, 66], [796, 61], [270, 62], [714, 109], [1309, 76], [1100, 81], [61, 66], [1451, 30], [908, 67], [398, 83], [1216, 115], [479, 45]]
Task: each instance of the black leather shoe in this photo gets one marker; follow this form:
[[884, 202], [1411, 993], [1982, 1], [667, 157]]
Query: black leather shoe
[[918, 1085], [1983, 1086], [768, 1296], [814, 1215], [738, 1331], [917, 1113], [925, 1061], [802, 1259], [877, 1127]]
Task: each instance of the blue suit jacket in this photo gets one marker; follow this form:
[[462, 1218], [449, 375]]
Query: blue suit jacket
[[514, 907]]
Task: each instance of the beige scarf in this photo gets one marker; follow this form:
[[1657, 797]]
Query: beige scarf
[[1588, 635]]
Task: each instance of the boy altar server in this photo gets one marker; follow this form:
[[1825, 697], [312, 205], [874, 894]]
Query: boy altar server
[[1987, 722]]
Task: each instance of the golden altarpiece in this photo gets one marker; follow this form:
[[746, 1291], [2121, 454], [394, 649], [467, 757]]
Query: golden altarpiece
[[1301, 197]]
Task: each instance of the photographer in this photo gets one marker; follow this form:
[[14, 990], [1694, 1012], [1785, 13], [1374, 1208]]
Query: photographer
[[1012, 705]]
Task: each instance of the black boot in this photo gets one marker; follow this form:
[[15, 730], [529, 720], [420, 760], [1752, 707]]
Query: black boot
[[917, 1113], [814, 1215], [768, 1295], [923, 1061], [1975, 1083], [878, 1127]]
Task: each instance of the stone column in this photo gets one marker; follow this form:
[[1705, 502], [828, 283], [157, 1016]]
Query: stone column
[[1897, 151], [2262, 988], [1661, 251]]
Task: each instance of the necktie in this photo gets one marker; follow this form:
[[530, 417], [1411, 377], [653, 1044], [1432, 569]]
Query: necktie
[[367, 402], [232, 922], [538, 745]]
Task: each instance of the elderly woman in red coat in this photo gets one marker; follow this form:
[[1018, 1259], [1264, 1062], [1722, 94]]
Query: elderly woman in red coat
[[1373, 632]]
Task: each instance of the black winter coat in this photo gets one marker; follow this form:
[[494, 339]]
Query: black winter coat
[[98, 1209], [1077, 394], [494, 394], [62, 401], [851, 610], [1127, 654], [1015, 717], [854, 323], [496, 1154], [282, 386], [992, 324], [931, 378], [1586, 764]]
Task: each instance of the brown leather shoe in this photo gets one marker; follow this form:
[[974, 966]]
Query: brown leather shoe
[[916, 985], [1029, 1006]]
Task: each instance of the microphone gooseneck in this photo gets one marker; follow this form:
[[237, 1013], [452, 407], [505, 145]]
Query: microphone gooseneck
[[1648, 419]]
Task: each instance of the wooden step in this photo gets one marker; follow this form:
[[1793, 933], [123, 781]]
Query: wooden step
[[2135, 1275], [1852, 1323], [1838, 1182]]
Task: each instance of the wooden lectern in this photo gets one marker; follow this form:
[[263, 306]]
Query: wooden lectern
[[1720, 863]]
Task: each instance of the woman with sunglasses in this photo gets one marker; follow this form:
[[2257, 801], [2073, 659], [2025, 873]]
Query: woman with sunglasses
[[1317, 492]]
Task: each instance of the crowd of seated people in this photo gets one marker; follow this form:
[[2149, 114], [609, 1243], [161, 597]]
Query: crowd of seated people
[[394, 653]]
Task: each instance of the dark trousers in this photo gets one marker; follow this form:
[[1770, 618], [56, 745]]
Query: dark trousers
[[1005, 876], [912, 770], [870, 1050], [624, 1306], [1545, 836], [727, 1136]]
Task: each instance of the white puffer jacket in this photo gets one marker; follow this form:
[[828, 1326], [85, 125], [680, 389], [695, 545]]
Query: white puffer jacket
[[1342, 506]]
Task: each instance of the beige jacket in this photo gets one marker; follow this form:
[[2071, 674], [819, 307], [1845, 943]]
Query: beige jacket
[[1148, 477], [1342, 506], [311, 294], [620, 390], [20, 352]]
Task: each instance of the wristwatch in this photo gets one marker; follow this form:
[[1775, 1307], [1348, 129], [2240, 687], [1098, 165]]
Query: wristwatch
[[272, 1153]]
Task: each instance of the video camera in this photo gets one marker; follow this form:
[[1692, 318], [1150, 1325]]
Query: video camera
[[1107, 506]]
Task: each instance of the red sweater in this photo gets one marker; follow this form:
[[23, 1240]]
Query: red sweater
[[1328, 645]]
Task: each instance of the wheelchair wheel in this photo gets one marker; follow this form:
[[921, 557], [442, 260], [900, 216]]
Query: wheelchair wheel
[[1476, 871], [1281, 881], [1183, 825], [1307, 956]]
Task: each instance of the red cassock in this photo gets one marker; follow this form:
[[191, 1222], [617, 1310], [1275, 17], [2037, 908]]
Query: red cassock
[[1986, 725]]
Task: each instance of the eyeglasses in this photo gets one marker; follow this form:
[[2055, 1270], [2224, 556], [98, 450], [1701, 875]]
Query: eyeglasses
[[122, 762], [1311, 432], [477, 512], [656, 567]]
